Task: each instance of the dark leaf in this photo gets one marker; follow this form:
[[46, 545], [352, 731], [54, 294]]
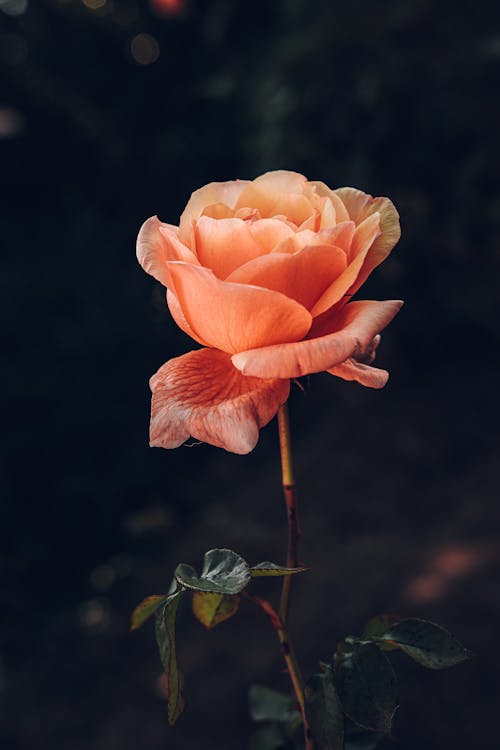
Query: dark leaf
[[211, 609], [357, 738], [272, 569], [145, 609], [324, 712], [266, 704], [377, 626], [426, 643], [165, 636], [224, 572], [366, 685]]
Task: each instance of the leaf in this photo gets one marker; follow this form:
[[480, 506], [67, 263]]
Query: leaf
[[379, 624], [426, 643], [366, 685], [145, 609], [266, 704], [272, 737], [324, 712], [211, 609], [165, 636], [266, 569], [357, 738], [224, 572]]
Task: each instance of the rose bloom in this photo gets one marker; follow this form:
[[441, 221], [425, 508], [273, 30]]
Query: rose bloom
[[261, 274]]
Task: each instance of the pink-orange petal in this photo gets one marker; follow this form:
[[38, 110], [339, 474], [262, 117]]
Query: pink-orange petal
[[360, 206], [157, 243], [214, 192], [352, 332], [371, 377], [302, 276], [235, 317], [362, 241], [270, 232], [202, 395], [223, 245], [180, 318]]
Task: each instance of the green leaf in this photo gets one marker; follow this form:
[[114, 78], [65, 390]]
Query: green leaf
[[211, 609], [224, 572], [272, 569], [357, 738], [366, 685], [165, 637], [272, 737], [324, 712], [145, 609], [266, 704], [426, 643], [379, 624]]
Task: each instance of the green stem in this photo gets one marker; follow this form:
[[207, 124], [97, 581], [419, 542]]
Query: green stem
[[292, 510], [292, 665]]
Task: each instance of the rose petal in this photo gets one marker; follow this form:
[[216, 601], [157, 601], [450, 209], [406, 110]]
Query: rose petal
[[223, 245], [341, 213], [158, 243], [360, 206], [270, 232], [302, 276], [180, 318], [363, 238], [235, 317], [214, 192], [203, 395], [371, 377], [281, 181], [353, 329]]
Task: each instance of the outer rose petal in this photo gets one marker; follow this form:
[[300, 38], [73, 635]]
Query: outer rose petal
[[302, 276], [224, 244], [360, 206], [371, 377], [203, 395], [362, 240], [354, 328], [214, 192], [180, 318], [157, 243], [235, 317]]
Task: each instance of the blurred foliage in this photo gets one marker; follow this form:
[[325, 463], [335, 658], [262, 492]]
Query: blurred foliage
[[111, 111]]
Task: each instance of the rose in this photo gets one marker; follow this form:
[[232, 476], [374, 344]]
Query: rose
[[261, 273]]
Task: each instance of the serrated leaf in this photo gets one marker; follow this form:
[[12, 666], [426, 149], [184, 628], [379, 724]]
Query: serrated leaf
[[145, 610], [324, 712], [266, 704], [357, 738], [211, 609], [426, 643], [267, 569], [224, 572], [272, 737], [366, 685], [165, 637]]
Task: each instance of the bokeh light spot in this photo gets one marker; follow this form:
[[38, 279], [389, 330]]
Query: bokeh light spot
[[144, 49]]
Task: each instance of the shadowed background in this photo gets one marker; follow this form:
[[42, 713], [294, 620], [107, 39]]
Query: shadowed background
[[114, 110]]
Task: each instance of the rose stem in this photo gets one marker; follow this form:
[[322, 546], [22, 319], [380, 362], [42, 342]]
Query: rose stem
[[292, 508], [288, 652]]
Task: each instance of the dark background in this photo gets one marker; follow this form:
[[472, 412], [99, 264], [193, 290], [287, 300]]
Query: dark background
[[101, 128]]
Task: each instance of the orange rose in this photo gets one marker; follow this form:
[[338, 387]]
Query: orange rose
[[261, 273]]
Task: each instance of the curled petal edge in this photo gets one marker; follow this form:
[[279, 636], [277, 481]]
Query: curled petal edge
[[352, 332]]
